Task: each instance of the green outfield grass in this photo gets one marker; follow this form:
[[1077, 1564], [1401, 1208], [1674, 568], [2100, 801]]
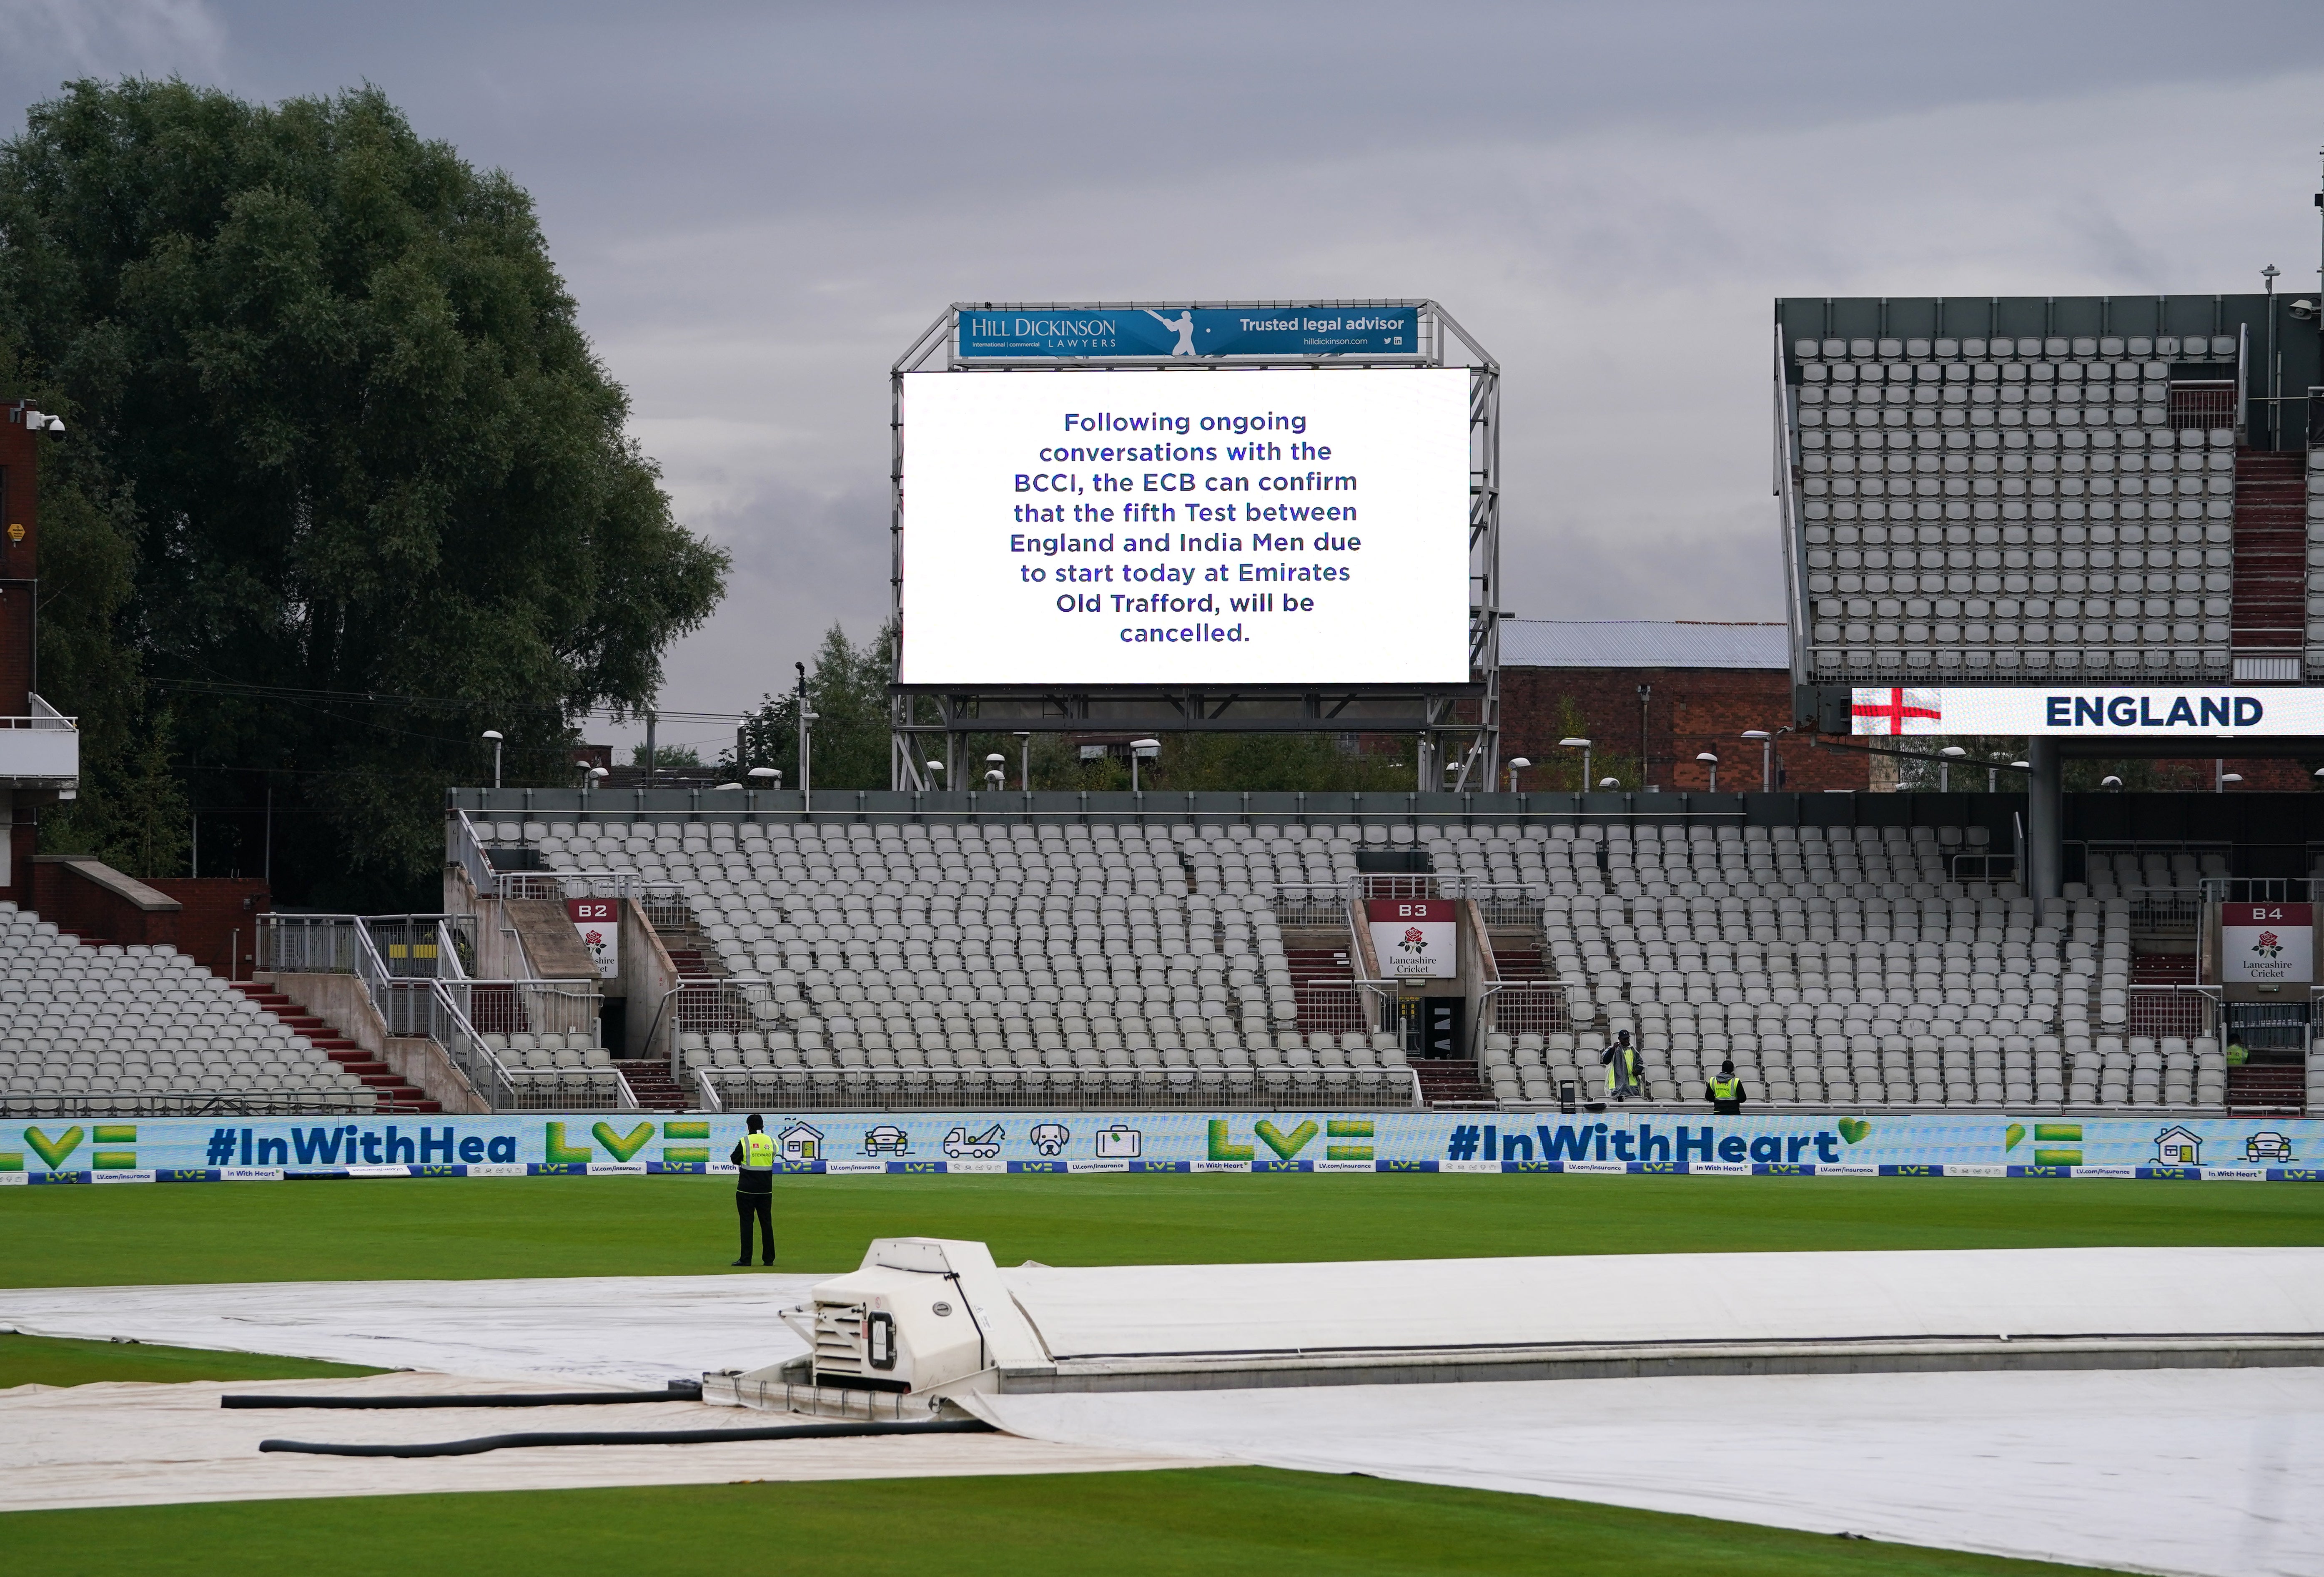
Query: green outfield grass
[[640, 1226], [1221, 1522], [49, 1360]]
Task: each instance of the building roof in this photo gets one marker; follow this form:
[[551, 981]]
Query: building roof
[[1643, 644]]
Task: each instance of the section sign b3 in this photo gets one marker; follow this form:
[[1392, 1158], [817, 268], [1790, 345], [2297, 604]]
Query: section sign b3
[[1183, 333]]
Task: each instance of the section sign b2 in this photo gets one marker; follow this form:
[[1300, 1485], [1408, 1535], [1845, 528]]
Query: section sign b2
[[1193, 333]]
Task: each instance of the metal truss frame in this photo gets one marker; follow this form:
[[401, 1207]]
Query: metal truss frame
[[1457, 726]]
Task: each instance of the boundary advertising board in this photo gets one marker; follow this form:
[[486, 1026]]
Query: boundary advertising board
[[61, 1151]]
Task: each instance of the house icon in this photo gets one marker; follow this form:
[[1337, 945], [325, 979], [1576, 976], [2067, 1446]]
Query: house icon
[[801, 1143], [2175, 1146]]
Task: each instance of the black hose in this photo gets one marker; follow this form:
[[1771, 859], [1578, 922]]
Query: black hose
[[679, 1391], [484, 1442]]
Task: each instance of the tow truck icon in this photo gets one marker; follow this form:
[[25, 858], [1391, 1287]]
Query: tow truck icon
[[960, 1146]]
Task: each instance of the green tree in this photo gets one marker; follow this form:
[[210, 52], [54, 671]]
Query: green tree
[[847, 693], [344, 485], [667, 755]]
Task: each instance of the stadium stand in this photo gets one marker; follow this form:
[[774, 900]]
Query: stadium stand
[[1855, 969], [967, 964], [144, 1030], [1005, 963], [2082, 524]]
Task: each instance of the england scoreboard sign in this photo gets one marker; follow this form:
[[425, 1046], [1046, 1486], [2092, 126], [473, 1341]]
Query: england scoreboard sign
[[1183, 333], [2194, 714]]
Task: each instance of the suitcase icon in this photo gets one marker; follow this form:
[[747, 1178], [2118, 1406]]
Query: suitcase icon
[[1119, 1143]]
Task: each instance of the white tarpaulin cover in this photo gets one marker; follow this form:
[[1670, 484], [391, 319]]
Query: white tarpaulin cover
[[2220, 1472], [605, 1329], [1582, 1299], [155, 1444]]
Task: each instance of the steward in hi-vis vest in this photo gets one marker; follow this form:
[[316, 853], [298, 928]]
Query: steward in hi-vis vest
[[1621, 1060], [754, 1188], [1725, 1092]]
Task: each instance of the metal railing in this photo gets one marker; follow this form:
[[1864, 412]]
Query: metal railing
[[1311, 905], [2183, 1011], [2164, 908], [1503, 905], [467, 852], [797, 1090], [419, 946], [276, 1101], [418, 984], [2258, 889], [1532, 1008], [664, 902], [1335, 1006]]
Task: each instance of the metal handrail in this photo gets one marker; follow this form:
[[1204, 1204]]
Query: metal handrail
[[467, 852]]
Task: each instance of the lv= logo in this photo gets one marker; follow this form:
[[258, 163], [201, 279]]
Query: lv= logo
[[1222, 1147]]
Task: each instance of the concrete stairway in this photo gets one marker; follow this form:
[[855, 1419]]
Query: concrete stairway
[[2271, 552], [395, 1094]]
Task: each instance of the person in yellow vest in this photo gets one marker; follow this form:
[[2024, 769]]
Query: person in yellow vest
[[754, 1188], [1726, 1091], [1621, 1060]]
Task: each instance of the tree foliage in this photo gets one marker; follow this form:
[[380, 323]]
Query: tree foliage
[[344, 484], [847, 696], [847, 693]]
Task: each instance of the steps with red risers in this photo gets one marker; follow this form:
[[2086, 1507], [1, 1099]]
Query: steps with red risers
[[649, 1080], [2259, 1089], [2271, 535], [1450, 1080], [393, 1094]]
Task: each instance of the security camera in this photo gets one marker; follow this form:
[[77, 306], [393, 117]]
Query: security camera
[[55, 424], [2303, 309]]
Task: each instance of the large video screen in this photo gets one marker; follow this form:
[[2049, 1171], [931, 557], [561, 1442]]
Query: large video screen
[[1258, 526]]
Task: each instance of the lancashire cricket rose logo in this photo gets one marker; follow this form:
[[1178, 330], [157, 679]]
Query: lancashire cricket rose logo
[[2269, 945], [1413, 942]]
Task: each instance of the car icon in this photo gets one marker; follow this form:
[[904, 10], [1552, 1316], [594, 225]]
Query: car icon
[[887, 1140], [2267, 1146]]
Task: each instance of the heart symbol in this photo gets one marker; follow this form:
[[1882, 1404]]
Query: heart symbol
[[1853, 1128], [2009, 1139], [623, 1149], [1286, 1145], [53, 1151]]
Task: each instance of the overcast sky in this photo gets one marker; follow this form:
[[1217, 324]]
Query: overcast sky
[[759, 206]]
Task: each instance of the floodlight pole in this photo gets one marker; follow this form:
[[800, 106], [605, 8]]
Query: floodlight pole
[[807, 779]]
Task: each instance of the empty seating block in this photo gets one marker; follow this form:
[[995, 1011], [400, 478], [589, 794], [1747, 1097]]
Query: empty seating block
[[1990, 508], [104, 1028], [1059, 956]]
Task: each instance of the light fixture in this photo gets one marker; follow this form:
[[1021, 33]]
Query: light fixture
[[2112, 784], [1610, 782], [1952, 753], [1767, 758], [494, 735], [720, 787], [1517, 763], [1145, 750], [1576, 743], [765, 778]]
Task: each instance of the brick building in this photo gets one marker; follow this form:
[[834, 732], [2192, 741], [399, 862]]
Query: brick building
[[1662, 691]]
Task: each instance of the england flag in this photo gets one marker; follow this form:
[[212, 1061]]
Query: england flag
[[1898, 712]]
